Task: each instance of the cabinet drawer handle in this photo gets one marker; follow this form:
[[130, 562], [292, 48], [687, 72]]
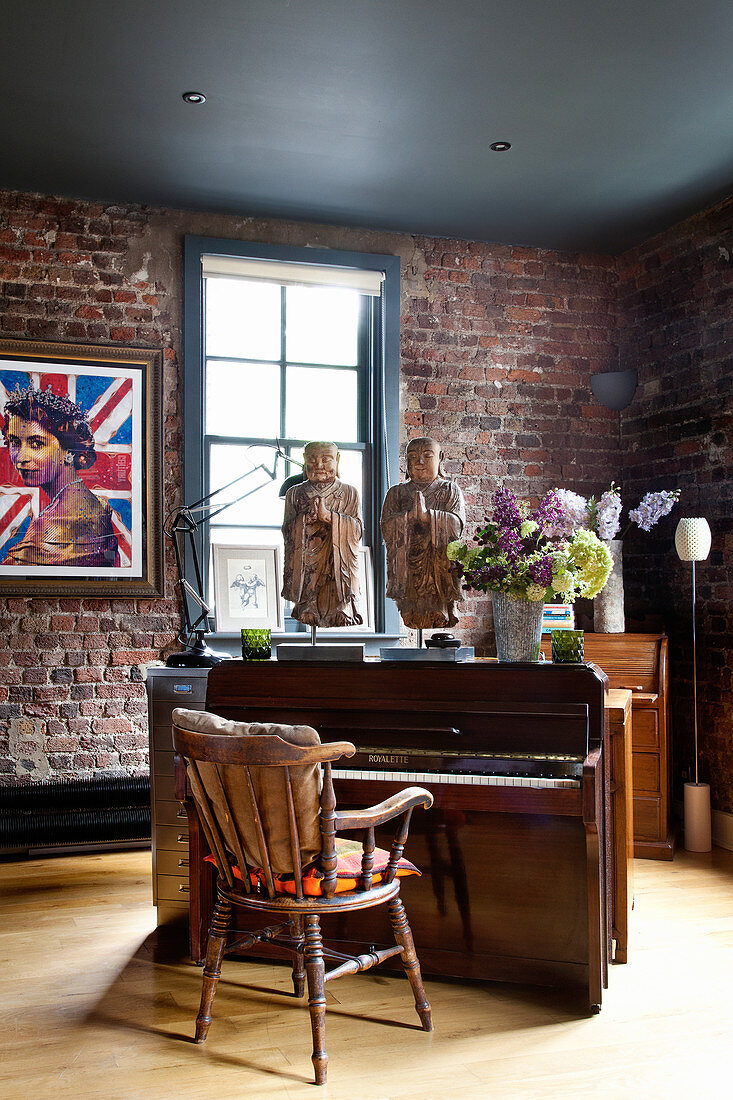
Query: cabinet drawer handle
[[183, 889], [182, 862], [181, 812], [182, 838]]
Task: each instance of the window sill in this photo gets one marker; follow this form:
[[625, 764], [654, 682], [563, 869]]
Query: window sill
[[231, 643]]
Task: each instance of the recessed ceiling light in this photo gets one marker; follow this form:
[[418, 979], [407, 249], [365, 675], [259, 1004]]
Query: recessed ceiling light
[[500, 146], [194, 97]]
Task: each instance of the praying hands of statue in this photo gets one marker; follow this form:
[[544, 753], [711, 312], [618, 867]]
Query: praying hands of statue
[[419, 510], [320, 512]]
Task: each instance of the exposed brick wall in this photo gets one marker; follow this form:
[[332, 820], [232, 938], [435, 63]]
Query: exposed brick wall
[[72, 700], [498, 345], [676, 298]]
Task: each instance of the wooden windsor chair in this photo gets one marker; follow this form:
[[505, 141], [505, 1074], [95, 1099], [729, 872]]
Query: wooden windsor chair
[[270, 819]]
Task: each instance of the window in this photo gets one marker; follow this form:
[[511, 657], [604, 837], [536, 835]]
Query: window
[[283, 345]]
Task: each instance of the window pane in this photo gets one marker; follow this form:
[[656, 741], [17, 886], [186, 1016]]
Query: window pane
[[322, 325], [242, 399], [262, 506], [350, 471], [242, 319], [321, 404], [246, 536]]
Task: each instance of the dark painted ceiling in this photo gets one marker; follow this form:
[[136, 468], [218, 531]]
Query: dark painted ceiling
[[379, 112]]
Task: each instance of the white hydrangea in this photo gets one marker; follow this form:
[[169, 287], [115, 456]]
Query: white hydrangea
[[535, 592], [563, 581]]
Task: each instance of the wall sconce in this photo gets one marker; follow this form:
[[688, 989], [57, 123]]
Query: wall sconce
[[615, 389]]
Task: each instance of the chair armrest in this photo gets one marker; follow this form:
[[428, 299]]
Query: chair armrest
[[407, 799]]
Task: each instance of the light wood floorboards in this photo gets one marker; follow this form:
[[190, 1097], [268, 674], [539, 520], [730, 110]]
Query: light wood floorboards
[[94, 1005]]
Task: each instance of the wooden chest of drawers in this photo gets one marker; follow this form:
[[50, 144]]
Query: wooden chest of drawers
[[639, 662], [169, 688]]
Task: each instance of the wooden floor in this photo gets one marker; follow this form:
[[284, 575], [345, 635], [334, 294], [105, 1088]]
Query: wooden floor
[[95, 1004]]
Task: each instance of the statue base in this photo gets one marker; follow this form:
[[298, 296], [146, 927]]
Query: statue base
[[288, 651], [428, 656]]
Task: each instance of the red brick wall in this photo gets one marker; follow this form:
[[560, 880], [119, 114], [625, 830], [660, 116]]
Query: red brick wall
[[498, 345], [676, 299], [72, 700]]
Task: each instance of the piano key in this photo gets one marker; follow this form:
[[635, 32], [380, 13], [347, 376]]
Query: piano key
[[455, 778]]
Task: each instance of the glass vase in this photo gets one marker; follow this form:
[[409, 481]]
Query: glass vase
[[256, 645], [567, 647], [517, 627]]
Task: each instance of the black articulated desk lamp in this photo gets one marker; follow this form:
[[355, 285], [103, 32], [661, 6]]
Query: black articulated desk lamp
[[181, 526]]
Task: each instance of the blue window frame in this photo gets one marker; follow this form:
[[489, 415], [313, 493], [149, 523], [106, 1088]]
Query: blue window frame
[[372, 377]]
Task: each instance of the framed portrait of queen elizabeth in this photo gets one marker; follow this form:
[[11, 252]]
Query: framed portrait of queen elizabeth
[[80, 470]]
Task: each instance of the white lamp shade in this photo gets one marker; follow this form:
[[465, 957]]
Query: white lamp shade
[[692, 539]]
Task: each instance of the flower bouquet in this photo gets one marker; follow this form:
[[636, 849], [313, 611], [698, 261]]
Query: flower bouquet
[[520, 557], [529, 555]]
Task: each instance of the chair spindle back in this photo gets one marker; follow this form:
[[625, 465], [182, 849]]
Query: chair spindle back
[[245, 816]]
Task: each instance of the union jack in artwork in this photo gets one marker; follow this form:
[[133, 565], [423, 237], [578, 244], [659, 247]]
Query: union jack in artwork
[[107, 397]]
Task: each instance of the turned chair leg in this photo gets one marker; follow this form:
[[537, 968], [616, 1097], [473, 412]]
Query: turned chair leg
[[212, 967], [314, 968], [403, 938], [298, 960]]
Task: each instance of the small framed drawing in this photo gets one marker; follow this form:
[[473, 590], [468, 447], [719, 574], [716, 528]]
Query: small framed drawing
[[246, 587]]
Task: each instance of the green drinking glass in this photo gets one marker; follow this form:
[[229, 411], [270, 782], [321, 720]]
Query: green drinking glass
[[256, 645], [567, 647]]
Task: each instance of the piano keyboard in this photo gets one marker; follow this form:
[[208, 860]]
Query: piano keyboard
[[465, 778]]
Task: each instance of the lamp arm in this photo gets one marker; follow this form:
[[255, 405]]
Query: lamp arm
[[222, 507], [182, 537], [198, 504], [181, 526]]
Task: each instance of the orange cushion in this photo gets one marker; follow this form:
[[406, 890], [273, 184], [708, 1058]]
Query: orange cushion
[[348, 870]]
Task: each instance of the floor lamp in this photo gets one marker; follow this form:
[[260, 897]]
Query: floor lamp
[[692, 542]]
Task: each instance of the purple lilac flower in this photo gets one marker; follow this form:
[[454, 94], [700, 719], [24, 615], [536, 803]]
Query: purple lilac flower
[[609, 514], [494, 574], [548, 513], [541, 571], [510, 543], [573, 511], [506, 509], [652, 507]]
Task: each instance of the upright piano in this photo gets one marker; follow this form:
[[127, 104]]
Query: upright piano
[[514, 853]]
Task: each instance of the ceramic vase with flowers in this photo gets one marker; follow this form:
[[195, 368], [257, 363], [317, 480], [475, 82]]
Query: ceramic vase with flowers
[[603, 517], [521, 559]]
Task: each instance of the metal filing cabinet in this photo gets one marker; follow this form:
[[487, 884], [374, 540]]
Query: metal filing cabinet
[[169, 688]]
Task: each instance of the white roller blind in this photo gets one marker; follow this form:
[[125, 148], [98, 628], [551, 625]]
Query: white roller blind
[[292, 274]]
